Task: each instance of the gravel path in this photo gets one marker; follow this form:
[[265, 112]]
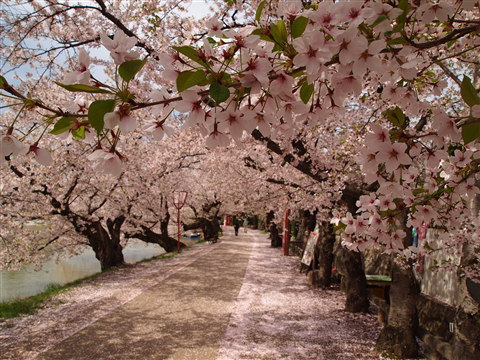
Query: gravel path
[[237, 299], [278, 316]]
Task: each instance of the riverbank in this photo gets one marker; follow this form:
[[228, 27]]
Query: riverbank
[[66, 313], [29, 305]]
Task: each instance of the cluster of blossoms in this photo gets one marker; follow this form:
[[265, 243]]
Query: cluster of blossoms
[[432, 176]]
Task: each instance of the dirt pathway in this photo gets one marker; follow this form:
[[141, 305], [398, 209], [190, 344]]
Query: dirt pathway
[[278, 316], [238, 299]]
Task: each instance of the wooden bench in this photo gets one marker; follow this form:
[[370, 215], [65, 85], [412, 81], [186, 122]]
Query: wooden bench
[[379, 289]]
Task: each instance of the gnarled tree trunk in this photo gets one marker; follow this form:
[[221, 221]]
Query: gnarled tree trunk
[[355, 280], [398, 335], [325, 255], [209, 229], [149, 236], [105, 244]]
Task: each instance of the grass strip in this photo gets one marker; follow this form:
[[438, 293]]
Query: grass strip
[[30, 304]]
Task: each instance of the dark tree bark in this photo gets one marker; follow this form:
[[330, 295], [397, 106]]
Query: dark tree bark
[[254, 222], [164, 224], [105, 244], [276, 239], [207, 220], [209, 228], [149, 236], [326, 256], [355, 280], [398, 335]]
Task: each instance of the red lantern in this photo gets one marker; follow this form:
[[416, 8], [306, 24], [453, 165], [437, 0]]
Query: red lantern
[[179, 199]]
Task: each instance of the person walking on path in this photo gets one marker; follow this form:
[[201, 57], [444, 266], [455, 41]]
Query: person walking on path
[[245, 224], [236, 226]]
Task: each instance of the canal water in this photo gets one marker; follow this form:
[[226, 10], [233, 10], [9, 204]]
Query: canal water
[[27, 282]]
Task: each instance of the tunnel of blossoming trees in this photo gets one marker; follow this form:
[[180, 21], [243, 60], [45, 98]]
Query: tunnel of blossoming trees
[[346, 130]]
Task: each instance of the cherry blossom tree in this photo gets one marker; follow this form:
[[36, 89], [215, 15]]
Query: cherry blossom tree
[[281, 73]]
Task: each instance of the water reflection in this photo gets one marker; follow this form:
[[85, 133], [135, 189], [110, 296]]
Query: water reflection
[[27, 282]]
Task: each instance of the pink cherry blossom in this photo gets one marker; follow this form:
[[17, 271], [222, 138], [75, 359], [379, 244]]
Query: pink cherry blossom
[[440, 10], [43, 157], [214, 27], [106, 162], [460, 158], [445, 125], [82, 74], [217, 138], [120, 47], [312, 53], [122, 119], [468, 188], [351, 45], [366, 203], [257, 69], [158, 129], [192, 104], [377, 137], [385, 203], [281, 86], [351, 224], [354, 13], [161, 109], [393, 156], [369, 59], [326, 16], [10, 145]]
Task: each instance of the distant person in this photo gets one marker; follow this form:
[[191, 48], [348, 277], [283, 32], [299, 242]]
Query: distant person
[[245, 224], [236, 226]]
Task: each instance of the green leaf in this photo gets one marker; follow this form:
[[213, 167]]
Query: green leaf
[[191, 53], [469, 93], [258, 14], [395, 116], [97, 111], [340, 227], [129, 69], [187, 79], [219, 92], [419, 191], [299, 26], [262, 33], [84, 88], [279, 32], [277, 48], [379, 20], [470, 132], [79, 133], [306, 92], [62, 125], [403, 5], [3, 82], [283, 30], [401, 19], [398, 41]]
